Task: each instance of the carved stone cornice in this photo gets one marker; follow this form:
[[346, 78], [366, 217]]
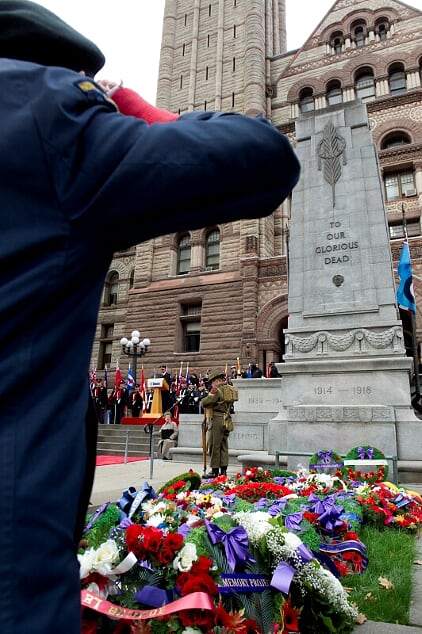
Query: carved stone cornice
[[357, 342], [389, 101], [393, 155]]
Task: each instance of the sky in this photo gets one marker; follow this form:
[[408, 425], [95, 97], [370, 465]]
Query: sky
[[129, 33]]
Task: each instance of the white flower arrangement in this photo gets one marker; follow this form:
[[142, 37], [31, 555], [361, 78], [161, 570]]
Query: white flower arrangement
[[99, 560], [255, 524], [185, 558], [327, 585]]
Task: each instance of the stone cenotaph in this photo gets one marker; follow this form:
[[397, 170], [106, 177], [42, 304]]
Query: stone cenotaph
[[346, 378]]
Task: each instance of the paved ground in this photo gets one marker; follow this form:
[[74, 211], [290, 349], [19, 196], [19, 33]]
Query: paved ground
[[111, 480]]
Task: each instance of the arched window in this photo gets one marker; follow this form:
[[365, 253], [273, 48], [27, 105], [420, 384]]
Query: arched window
[[365, 85], [212, 250], [358, 30], [334, 93], [306, 100], [183, 255], [111, 293], [336, 41], [395, 139], [397, 79], [382, 26]]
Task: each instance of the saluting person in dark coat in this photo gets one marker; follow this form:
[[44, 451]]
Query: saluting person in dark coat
[[71, 163]]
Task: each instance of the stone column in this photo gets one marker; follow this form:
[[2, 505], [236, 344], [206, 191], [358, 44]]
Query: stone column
[[346, 376], [254, 58]]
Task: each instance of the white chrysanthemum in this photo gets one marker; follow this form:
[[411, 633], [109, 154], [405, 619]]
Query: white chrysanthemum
[[190, 630], [324, 479], [159, 506], [255, 524], [216, 502], [291, 540], [182, 495], [185, 558], [157, 519], [148, 506]]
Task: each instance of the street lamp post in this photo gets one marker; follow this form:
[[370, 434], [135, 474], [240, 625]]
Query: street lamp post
[[134, 348]]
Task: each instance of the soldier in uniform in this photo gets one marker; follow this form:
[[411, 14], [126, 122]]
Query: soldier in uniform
[[215, 408], [99, 394], [136, 402]]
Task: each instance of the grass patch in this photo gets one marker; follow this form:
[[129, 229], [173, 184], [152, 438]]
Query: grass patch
[[391, 554]]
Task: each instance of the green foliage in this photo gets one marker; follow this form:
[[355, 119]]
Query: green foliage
[[102, 526], [242, 506], [391, 555], [280, 473], [192, 479], [198, 536]]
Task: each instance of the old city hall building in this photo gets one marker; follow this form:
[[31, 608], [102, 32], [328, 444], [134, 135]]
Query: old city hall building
[[209, 296]]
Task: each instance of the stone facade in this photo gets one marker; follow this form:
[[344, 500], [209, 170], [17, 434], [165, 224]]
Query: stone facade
[[230, 55]]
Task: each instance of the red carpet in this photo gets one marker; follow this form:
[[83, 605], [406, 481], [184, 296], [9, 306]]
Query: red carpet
[[105, 460]]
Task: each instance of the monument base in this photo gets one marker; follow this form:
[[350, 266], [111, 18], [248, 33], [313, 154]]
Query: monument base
[[337, 405]]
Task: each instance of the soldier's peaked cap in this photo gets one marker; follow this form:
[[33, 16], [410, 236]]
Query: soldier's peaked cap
[[32, 33]]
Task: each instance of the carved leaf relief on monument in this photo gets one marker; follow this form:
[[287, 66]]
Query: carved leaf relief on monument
[[330, 149]]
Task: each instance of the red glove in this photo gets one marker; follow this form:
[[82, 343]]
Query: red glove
[[130, 103]]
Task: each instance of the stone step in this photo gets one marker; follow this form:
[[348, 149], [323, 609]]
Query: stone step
[[113, 439], [195, 454], [115, 452]]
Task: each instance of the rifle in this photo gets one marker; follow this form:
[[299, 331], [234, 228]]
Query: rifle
[[204, 444]]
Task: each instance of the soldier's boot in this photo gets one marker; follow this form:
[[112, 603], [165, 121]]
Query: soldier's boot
[[212, 474], [223, 471]]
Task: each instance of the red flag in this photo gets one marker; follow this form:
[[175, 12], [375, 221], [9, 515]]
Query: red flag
[[118, 375]]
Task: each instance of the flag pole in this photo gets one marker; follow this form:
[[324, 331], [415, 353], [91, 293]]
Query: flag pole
[[413, 322]]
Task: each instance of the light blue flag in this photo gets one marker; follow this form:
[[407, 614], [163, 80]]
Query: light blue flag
[[130, 380], [405, 293]]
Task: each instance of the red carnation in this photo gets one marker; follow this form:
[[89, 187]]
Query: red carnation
[[165, 556], [152, 539], [135, 540], [199, 618], [173, 541], [199, 583], [202, 565]]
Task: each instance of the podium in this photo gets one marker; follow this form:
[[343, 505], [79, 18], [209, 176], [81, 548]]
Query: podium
[[157, 385]]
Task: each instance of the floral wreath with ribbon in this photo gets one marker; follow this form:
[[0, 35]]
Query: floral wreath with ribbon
[[365, 452], [325, 459]]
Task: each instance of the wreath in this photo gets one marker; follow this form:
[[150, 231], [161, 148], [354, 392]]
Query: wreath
[[183, 482], [326, 461], [365, 452]]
